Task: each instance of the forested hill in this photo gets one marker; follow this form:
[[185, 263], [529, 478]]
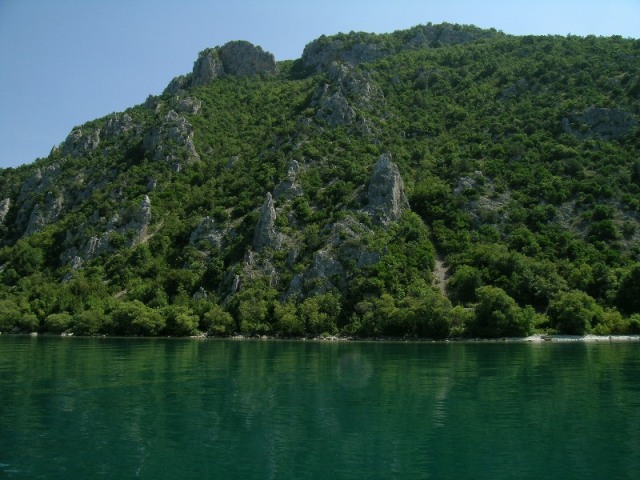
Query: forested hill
[[443, 181]]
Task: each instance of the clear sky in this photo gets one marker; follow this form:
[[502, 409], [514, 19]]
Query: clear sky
[[65, 62]]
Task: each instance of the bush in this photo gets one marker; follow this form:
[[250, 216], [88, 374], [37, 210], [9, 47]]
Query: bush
[[574, 313], [57, 322], [498, 315]]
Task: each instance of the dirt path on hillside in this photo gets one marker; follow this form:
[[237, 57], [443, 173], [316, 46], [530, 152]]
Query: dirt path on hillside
[[441, 275]]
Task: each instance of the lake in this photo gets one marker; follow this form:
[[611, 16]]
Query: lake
[[79, 408]]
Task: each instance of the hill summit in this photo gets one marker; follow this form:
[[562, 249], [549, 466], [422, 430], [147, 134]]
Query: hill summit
[[442, 181]]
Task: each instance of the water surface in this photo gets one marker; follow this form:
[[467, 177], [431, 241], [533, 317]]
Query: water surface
[[78, 408]]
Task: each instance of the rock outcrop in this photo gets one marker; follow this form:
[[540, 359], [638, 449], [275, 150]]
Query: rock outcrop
[[386, 198], [44, 214], [207, 235], [348, 89], [5, 205], [117, 125], [265, 235], [171, 141], [238, 58], [289, 188], [359, 47], [81, 142]]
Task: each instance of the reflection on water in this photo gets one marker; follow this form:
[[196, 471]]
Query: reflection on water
[[173, 408]]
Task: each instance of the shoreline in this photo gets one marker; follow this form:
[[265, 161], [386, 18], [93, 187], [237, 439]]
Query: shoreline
[[536, 338]]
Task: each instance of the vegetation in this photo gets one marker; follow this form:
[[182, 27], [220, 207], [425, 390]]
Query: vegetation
[[520, 158]]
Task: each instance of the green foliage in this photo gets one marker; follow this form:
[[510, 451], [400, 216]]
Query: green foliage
[[628, 296], [497, 315], [135, 318], [57, 322], [575, 313]]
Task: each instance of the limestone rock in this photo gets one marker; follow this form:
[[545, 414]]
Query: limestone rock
[[244, 59], [234, 58], [181, 82], [207, 67], [42, 215], [5, 204], [386, 198], [81, 142], [322, 52], [265, 234], [118, 124], [189, 105], [335, 110], [206, 235], [141, 221], [348, 89], [172, 140], [289, 188], [359, 47], [325, 274]]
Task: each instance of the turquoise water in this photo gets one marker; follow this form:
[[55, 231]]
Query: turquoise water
[[79, 408]]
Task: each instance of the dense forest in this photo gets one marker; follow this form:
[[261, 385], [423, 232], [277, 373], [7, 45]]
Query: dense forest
[[438, 182]]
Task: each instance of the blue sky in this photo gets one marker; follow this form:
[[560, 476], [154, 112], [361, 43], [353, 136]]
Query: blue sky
[[65, 62]]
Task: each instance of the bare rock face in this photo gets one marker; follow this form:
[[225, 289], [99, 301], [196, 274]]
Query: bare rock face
[[358, 47], [322, 52], [117, 125], [326, 273], [335, 109], [234, 58], [207, 235], [243, 59], [5, 204], [81, 142], [348, 89], [290, 187], [265, 234], [207, 67], [172, 141], [386, 195], [42, 215]]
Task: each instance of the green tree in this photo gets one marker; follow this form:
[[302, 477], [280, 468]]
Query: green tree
[[574, 312], [498, 315], [628, 296]]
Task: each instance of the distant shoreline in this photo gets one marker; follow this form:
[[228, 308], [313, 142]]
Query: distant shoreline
[[537, 338]]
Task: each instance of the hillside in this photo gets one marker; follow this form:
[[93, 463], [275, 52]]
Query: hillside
[[442, 181]]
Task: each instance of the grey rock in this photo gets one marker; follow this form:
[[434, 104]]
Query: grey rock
[[206, 235], [43, 215], [179, 83], [244, 59], [358, 47], [321, 53], [81, 142], [207, 67], [172, 140], [189, 105], [265, 234], [141, 222], [326, 273], [234, 58], [117, 125], [348, 89], [386, 198], [335, 110], [289, 188], [5, 205]]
